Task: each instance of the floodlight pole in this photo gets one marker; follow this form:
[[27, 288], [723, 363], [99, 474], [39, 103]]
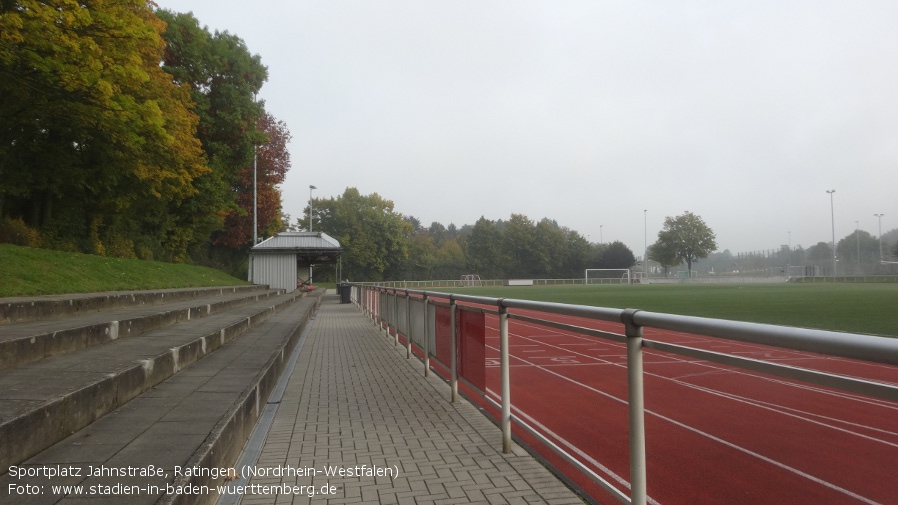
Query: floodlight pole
[[311, 187], [833, 218], [255, 192], [310, 206], [857, 237], [645, 245], [879, 216]]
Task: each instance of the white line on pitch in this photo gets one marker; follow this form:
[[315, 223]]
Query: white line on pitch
[[719, 440]]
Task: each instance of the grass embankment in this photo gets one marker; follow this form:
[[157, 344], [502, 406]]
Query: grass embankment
[[25, 271], [856, 308]]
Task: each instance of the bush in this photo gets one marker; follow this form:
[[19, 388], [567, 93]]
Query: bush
[[119, 247], [15, 231]]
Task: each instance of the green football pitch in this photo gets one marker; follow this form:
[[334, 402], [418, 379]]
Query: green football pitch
[[856, 308]]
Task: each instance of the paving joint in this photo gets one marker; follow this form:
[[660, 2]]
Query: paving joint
[[354, 399]]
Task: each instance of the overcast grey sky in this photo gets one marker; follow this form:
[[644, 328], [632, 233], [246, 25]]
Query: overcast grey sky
[[588, 112]]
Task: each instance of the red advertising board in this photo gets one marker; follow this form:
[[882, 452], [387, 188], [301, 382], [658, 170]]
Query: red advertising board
[[472, 347]]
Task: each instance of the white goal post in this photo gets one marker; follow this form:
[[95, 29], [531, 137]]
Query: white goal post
[[607, 276], [469, 280]]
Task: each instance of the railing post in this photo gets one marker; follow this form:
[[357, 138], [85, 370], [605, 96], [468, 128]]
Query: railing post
[[506, 378], [408, 325], [382, 311], [363, 293], [638, 494], [453, 376], [395, 318], [426, 340]]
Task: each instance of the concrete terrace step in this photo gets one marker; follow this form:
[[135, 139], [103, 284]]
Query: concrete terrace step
[[29, 341], [22, 309], [199, 418], [46, 401]]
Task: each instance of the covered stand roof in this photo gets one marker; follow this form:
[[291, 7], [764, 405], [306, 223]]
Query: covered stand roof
[[310, 247]]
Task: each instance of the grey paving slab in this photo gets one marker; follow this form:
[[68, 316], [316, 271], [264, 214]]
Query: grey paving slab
[[356, 406]]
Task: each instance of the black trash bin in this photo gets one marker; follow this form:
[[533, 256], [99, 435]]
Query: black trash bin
[[345, 290]]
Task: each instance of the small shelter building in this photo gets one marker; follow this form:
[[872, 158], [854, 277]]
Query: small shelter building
[[283, 260]]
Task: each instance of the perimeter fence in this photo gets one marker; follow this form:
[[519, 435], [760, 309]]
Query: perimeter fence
[[673, 279], [450, 330]]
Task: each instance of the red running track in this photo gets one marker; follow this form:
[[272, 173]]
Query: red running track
[[714, 434]]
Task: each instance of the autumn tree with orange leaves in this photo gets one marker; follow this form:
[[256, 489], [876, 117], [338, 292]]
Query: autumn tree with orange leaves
[[127, 130], [98, 146], [273, 162]]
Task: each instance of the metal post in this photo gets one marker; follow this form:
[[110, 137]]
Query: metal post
[[255, 196], [384, 311], [506, 378], [395, 317], [453, 376], [833, 219], [376, 306], [408, 325], [381, 294], [638, 494], [645, 245], [426, 340], [363, 293], [311, 187], [381, 299], [879, 216]]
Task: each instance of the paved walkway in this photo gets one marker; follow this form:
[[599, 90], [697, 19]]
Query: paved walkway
[[355, 404]]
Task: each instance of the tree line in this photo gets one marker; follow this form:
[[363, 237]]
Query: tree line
[[858, 253], [381, 243], [130, 131]]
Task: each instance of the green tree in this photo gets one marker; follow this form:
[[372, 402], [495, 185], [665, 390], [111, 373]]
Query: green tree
[[549, 244], [96, 141], [820, 252], [373, 236], [664, 254], [485, 254], [450, 260], [858, 252], [688, 236], [821, 255], [422, 257], [518, 241], [223, 78], [577, 252], [616, 255], [438, 233]]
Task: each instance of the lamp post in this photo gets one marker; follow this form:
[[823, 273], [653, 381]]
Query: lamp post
[[310, 206], [832, 213], [645, 245], [857, 237], [255, 187], [255, 195], [311, 187], [600, 234], [880, 235]]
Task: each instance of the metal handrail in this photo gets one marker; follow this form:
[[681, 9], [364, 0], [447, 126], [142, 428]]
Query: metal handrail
[[846, 345]]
